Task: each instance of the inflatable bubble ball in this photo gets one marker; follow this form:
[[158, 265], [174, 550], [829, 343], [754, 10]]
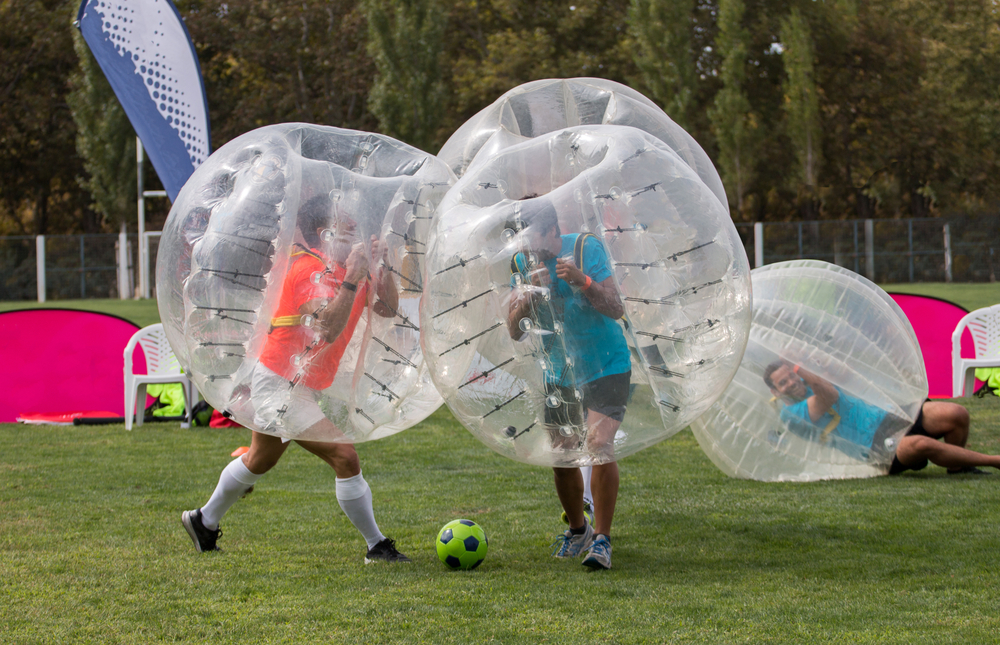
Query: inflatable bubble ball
[[585, 295], [831, 379], [540, 107], [289, 280]]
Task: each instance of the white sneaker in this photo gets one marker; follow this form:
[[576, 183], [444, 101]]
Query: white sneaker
[[568, 545]]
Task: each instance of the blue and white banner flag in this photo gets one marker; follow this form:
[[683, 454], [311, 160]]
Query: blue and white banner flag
[[146, 53]]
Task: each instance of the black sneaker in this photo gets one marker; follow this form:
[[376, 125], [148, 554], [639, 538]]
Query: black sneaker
[[204, 539], [385, 551], [969, 470]]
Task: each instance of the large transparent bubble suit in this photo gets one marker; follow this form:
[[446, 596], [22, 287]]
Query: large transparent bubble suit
[[675, 260], [231, 240], [837, 326], [544, 106]]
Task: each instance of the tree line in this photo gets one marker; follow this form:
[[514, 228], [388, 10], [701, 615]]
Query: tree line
[[810, 109]]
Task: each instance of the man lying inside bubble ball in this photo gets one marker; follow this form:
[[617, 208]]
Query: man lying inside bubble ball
[[817, 410]]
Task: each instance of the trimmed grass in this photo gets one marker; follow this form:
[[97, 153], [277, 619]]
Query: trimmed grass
[[141, 312], [92, 549], [971, 295]]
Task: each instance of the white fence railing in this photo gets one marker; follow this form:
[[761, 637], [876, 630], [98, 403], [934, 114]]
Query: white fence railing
[[58, 267]]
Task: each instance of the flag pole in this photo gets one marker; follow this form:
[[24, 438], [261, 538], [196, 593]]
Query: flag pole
[[143, 281]]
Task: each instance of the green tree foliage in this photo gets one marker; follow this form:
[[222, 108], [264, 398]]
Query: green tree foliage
[[495, 45], [281, 61], [736, 127], [802, 104], [105, 140], [960, 99], [39, 192], [408, 96], [664, 53], [897, 115]]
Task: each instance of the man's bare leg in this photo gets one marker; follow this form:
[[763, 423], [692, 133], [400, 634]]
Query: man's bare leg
[[569, 488], [916, 448], [604, 484], [604, 478], [342, 457], [265, 451], [353, 493], [948, 421]]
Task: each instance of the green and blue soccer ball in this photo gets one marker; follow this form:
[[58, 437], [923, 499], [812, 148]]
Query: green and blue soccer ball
[[462, 544]]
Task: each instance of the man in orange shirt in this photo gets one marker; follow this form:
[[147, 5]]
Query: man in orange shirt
[[324, 294]]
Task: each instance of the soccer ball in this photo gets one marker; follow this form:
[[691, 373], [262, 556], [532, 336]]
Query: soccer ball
[[462, 544]]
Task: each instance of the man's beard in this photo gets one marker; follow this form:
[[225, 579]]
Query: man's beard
[[339, 248], [795, 397]]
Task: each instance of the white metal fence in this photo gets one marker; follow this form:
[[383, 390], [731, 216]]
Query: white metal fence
[[965, 249], [885, 250], [68, 267]]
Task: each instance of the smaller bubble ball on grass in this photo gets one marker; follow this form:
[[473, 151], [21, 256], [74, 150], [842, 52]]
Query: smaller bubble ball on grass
[[462, 544]]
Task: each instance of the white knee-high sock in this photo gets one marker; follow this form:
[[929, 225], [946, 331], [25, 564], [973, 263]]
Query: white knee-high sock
[[587, 495], [234, 481], [355, 498]]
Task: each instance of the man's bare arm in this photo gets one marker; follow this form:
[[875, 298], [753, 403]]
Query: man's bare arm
[[385, 287], [603, 296], [522, 301], [520, 307], [823, 397], [334, 314]]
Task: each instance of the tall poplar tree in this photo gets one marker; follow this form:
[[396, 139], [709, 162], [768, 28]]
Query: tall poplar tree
[[736, 127], [661, 30], [408, 96], [38, 164], [801, 105]]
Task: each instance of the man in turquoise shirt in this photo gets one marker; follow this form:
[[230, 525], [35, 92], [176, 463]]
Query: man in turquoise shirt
[[586, 352], [817, 408]]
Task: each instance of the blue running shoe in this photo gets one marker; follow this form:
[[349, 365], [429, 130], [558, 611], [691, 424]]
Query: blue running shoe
[[599, 556], [568, 545]]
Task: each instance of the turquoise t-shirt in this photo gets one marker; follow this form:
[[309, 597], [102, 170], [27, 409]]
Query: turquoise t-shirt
[[593, 341], [859, 421]]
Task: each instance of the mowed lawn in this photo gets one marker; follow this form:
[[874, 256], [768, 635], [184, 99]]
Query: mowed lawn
[[92, 549]]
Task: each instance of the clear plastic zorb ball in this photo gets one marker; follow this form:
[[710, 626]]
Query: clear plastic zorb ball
[[289, 281], [540, 107], [586, 295], [832, 378]]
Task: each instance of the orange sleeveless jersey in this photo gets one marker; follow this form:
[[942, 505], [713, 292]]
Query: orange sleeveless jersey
[[283, 344]]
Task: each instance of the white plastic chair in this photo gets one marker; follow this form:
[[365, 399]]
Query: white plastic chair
[[984, 325], [161, 367]]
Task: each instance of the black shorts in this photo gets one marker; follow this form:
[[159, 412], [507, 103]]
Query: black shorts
[[917, 429], [606, 395]]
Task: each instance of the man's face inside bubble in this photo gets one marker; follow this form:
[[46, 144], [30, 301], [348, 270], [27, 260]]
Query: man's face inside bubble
[[340, 237], [788, 384], [545, 245]]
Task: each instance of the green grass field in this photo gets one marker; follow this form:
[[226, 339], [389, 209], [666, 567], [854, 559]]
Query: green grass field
[[969, 295], [92, 549], [141, 312]]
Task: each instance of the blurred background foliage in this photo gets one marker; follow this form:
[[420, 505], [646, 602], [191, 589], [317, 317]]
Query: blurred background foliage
[[811, 109]]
